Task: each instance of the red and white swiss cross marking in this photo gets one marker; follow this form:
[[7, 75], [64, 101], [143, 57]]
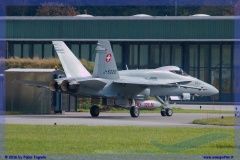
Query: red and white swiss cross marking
[[108, 57]]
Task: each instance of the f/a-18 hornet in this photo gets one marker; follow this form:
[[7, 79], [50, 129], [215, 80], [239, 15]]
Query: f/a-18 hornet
[[127, 89]]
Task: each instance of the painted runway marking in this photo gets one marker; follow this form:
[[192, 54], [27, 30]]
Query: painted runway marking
[[191, 143]]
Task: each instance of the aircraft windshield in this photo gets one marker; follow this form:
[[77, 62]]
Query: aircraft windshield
[[180, 72], [173, 69]]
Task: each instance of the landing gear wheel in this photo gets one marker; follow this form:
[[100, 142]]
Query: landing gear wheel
[[169, 112], [134, 111], [94, 111], [163, 112]]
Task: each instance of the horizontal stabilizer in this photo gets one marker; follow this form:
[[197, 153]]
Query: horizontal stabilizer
[[93, 83], [40, 84]]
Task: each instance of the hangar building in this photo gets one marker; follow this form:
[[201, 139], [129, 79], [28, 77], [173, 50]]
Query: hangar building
[[201, 46]]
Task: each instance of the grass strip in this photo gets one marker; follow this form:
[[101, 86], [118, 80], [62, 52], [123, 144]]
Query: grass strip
[[56, 139], [226, 121]]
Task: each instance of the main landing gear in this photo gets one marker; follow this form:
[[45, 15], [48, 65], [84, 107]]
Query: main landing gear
[[94, 111], [165, 111], [134, 111]]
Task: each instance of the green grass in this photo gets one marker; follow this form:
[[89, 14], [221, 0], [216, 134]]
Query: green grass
[[181, 110], [41, 139], [227, 121]]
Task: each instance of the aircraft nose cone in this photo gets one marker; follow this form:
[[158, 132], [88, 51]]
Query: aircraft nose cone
[[213, 90]]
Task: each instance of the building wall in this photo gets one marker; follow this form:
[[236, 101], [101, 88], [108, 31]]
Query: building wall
[[211, 62], [124, 28], [29, 99], [202, 46]]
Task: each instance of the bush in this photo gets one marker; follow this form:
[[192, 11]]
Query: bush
[[41, 63]]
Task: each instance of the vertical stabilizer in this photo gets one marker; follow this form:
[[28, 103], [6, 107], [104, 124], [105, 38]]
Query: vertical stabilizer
[[105, 65], [71, 65]]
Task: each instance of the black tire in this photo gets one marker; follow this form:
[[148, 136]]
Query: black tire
[[169, 112], [94, 111], [134, 111], [163, 112]]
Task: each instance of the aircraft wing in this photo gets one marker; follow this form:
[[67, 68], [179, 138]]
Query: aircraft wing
[[165, 83], [93, 83], [40, 84], [135, 81]]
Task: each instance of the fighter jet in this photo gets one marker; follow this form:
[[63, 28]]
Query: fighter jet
[[127, 89]]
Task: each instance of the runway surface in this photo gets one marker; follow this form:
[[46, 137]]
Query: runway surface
[[113, 119]]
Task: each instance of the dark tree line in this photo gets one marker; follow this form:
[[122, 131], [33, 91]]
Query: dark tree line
[[50, 9], [56, 9]]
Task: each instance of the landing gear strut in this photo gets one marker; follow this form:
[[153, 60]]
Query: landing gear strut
[[165, 111], [94, 111]]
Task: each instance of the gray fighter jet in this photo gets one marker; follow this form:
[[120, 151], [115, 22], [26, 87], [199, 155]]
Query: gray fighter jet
[[127, 89]]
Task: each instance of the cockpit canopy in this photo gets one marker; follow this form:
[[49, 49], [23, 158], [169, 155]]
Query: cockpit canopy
[[173, 69]]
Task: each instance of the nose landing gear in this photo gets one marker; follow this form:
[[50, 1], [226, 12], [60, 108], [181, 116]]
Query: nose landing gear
[[166, 110]]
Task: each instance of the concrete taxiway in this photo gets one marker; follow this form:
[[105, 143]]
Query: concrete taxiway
[[113, 119]]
